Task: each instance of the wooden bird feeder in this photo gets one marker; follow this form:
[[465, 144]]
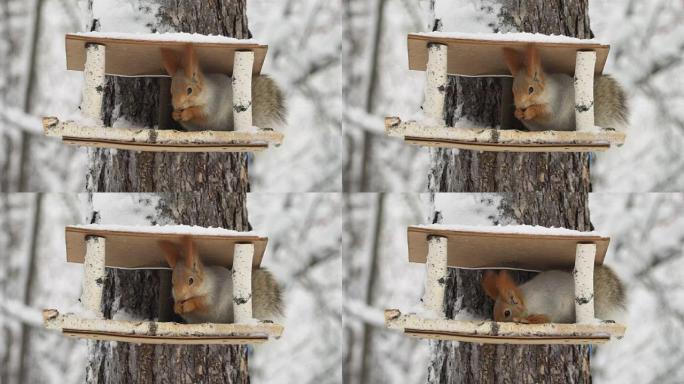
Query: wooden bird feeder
[[99, 246], [512, 247], [139, 55], [439, 54]]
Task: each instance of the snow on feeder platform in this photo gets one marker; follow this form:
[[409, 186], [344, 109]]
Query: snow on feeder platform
[[139, 55], [522, 247], [481, 54], [136, 247]]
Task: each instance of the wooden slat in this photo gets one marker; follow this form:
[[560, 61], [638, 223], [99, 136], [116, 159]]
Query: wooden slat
[[154, 332], [505, 147], [153, 147], [137, 57], [486, 339], [475, 57], [155, 140], [127, 249], [491, 332], [533, 252], [179, 340], [502, 140]]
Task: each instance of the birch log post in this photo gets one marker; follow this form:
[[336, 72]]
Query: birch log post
[[93, 84], [242, 90], [585, 255], [584, 90], [242, 283], [93, 279], [435, 279], [435, 84]]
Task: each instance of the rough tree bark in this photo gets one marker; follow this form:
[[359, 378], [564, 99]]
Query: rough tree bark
[[562, 184], [136, 292], [479, 99], [136, 100], [220, 183]]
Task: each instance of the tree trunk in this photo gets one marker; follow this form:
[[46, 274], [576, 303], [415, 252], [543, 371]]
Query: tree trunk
[[479, 99], [137, 100], [220, 182], [562, 182]]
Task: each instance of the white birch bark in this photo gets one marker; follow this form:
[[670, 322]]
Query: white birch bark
[[435, 279], [435, 84], [242, 283], [242, 90], [584, 282], [93, 279], [93, 84], [584, 90]]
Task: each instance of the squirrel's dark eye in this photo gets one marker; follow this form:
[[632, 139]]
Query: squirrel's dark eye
[[529, 90], [190, 90], [507, 313], [190, 281]]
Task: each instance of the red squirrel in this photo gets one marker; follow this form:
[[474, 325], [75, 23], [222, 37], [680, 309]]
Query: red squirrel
[[204, 293], [546, 101], [549, 297], [204, 101]]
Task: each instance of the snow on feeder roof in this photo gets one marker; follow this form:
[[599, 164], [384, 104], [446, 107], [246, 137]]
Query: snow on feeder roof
[[139, 54], [523, 247], [480, 54], [136, 247]]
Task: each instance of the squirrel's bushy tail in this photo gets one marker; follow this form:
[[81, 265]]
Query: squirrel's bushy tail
[[610, 298], [610, 109], [267, 300]]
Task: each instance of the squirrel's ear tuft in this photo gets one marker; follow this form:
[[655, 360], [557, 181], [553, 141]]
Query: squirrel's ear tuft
[[489, 285], [170, 61], [508, 288], [191, 62], [170, 252], [534, 66], [512, 60]]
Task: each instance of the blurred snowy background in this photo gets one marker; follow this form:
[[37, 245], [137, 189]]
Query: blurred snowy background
[[646, 250], [647, 46], [303, 57], [303, 252]]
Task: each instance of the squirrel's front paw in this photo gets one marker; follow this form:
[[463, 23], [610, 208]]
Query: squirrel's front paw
[[186, 115], [537, 319], [519, 114], [184, 307], [530, 113], [176, 115]]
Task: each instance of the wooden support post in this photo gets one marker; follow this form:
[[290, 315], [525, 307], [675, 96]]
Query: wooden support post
[[584, 90], [94, 276], [242, 90], [242, 283], [435, 280], [93, 84], [435, 85], [585, 254]]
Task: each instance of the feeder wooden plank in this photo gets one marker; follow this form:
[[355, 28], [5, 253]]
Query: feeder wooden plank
[[134, 249], [156, 140], [483, 250], [482, 57], [153, 332], [491, 332], [136, 56], [502, 140]]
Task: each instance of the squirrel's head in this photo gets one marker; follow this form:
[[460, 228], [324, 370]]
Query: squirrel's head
[[187, 79], [188, 271], [528, 76], [509, 304]]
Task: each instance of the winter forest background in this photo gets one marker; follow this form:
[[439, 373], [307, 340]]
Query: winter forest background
[[303, 57], [647, 238], [335, 303], [303, 253], [647, 45]]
